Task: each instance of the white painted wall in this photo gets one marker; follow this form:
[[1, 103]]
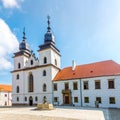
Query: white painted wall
[[5, 98]]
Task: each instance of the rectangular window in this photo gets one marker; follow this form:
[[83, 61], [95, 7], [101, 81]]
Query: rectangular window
[[111, 84], [75, 99], [112, 100], [98, 99], [55, 86], [85, 85], [66, 86], [55, 99], [75, 86], [5, 95], [97, 84], [86, 99]]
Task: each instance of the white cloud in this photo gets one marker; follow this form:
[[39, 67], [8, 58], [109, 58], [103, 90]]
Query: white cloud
[[8, 45], [11, 3]]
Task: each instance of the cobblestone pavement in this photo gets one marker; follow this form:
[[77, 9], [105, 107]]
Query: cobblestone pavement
[[59, 113]]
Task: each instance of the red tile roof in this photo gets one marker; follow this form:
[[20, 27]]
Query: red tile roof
[[104, 68], [5, 88]]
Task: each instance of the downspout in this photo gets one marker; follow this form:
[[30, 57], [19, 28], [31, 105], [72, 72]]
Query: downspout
[[81, 93]]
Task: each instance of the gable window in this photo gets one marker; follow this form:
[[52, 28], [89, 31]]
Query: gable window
[[17, 89], [55, 86], [85, 85], [31, 62], [97, 84], [44, 72], [19, 65], [111, 84], [86, 99], [45, 60], [112, 100], [44, 87], [75, 86], [30, 83], [17, 76], [66, 85]]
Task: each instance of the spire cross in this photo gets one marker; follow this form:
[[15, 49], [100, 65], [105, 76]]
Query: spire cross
[[48, 23], [24, 35]]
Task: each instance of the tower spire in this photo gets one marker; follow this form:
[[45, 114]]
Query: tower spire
[[24, 34], [49, 28]]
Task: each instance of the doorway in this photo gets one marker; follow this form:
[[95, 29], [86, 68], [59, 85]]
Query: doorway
[[30, 101], [66, 100]]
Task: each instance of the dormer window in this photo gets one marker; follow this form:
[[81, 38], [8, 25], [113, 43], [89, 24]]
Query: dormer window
[[45, 60], [31, 62], [19, 65]]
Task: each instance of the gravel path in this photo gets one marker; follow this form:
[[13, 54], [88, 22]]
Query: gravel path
[[60, 113]]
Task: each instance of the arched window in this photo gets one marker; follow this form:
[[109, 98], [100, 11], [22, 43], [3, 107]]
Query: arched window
[[44, 87], [17, 89], [44, 72], [25, 98], [36, 98], [31, 62], [45, 60], [17, 98], [19, 65], [55, 62], [30, 83], [17, 76]]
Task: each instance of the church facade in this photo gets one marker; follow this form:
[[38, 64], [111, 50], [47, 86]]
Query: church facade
[[95, 85]]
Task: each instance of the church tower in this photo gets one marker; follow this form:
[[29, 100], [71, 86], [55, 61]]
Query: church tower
[[32, 77], [49, 57], [20, 59]]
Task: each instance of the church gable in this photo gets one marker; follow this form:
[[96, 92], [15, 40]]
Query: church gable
[[32, 61]]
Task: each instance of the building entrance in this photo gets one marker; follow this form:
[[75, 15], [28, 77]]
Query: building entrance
[[67, 97]]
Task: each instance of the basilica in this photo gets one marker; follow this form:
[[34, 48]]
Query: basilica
[[94, 84]]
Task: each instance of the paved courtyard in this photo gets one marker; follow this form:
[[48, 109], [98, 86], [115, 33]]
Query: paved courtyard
[[59, 113]]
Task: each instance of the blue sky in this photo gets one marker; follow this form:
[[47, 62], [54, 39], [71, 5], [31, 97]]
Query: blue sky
[[85, 30]]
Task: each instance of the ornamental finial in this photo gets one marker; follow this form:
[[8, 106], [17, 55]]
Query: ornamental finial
[[48, 17]]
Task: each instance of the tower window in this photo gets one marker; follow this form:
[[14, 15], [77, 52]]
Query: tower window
[[25, 98], [17, 76], [17, 89], [36, 98], [45, 60], [44, 73], [30, 83], [19, 65], [44, 87], [31, 62], [17, 98], [55, 62]]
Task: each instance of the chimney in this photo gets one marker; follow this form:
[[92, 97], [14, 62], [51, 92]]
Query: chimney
[[73, 65]]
